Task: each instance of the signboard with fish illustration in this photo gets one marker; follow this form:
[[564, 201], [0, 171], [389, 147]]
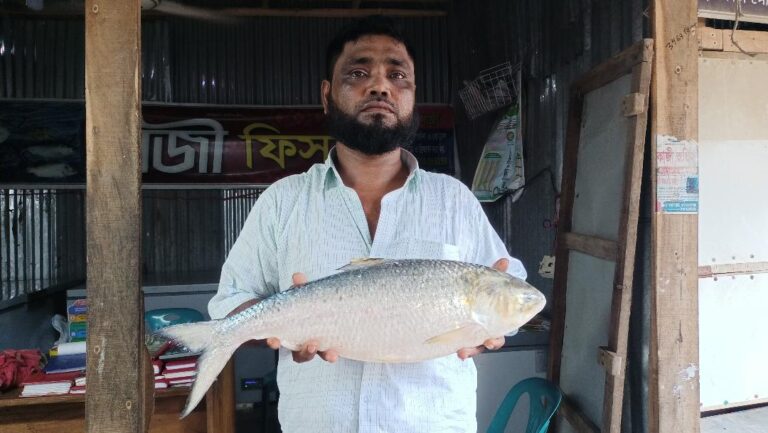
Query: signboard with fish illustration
[[43, 142]]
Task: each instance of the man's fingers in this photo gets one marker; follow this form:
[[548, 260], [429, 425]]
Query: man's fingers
[[306, 353], [329, 355], [299, 279], [469, 352], [494, 343], [273, 343], [489, 344], [501, 265]]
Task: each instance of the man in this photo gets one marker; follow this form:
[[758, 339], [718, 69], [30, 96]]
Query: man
[[369, 199]]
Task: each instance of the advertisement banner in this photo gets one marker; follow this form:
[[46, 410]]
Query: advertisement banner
[[44, 142]]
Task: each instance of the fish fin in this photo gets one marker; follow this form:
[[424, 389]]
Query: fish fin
[[361, 263], [460, 335], [201, 337]]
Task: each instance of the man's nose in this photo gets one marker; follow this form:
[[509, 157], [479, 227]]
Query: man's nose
[[379, 86]]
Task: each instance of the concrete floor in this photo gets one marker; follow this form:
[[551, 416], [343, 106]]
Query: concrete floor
[[744, 421]]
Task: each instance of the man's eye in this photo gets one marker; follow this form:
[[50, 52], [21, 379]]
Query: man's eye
[[357, 74], [397, 75]]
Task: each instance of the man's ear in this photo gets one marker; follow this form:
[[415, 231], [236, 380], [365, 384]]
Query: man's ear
[[325, 91]]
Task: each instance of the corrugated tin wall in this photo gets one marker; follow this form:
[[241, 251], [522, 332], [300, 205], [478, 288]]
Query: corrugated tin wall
[[260, 61], [556, 41], [267, 60]]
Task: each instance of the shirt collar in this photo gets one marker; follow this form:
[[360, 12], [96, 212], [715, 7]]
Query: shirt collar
[[332, 177]]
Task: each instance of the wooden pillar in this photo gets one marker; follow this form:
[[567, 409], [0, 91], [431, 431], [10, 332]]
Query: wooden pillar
[[116, 401], [674, 352]]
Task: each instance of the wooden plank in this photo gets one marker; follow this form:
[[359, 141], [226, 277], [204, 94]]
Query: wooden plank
[[733, 269], [592, 245], [752, 42], [116, 400], [615, 67], [562, 254], [575, 418], [613, 363], [674, 400], [710, 39], [221, 402], [635, 104], [625, 260], [744, 404]]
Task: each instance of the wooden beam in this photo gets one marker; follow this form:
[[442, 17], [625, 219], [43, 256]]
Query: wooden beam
[[596, 247], [728, 269], [625, 261], [613, 363], [116, 400], [710, 39], [752, 42], [220, 402], [674, 397], [743, 41], [634, 104]]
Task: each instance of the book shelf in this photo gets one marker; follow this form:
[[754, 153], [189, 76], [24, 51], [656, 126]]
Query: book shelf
[[66, 413]]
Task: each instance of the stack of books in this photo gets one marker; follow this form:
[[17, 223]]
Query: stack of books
[[160, 381], [44, 384], [180, 372], [157, 366], [77, 317]]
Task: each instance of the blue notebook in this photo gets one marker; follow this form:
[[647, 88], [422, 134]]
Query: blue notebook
[[66, 363]]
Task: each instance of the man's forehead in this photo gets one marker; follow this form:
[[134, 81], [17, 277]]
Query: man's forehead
[[376, 45]]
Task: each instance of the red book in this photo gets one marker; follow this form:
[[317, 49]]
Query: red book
[[52, 377], [181, 382], [182, 363], [181, 373], [77, 390]]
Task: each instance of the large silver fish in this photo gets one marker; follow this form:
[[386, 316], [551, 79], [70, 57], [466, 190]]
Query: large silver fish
[[374, 310]]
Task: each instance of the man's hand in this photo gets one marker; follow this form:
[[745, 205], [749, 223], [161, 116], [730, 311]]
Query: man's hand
[[492, 343], [309, 350]]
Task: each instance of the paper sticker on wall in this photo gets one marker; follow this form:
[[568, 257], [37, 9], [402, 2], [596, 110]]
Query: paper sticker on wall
[[677, 175]]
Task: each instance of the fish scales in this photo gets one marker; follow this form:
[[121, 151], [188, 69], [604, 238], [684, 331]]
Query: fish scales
[[368, 314]]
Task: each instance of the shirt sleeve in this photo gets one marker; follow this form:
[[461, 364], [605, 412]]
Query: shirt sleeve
[[485, 245], [250, 270]]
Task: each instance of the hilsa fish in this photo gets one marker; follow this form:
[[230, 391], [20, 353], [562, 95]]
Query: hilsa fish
[[57, 170], [374, 310]]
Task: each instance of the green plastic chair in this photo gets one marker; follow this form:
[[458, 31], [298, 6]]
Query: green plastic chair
[[545, 399]]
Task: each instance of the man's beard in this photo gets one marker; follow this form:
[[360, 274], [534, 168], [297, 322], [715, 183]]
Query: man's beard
[[374, 138]]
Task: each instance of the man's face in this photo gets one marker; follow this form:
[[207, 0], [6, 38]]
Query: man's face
[[372, 96]]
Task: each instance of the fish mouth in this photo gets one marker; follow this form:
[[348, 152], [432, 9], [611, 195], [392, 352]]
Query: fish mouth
[[533, 297]]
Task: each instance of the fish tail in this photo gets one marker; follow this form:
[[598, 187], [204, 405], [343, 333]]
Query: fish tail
[[216, 349]]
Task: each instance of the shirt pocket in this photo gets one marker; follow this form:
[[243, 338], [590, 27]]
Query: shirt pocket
[[426, 249]]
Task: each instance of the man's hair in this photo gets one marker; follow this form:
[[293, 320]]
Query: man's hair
[[368, 26]]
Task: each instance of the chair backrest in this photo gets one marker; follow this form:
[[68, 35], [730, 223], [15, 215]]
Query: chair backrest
[[545, 399], [162, 317]]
